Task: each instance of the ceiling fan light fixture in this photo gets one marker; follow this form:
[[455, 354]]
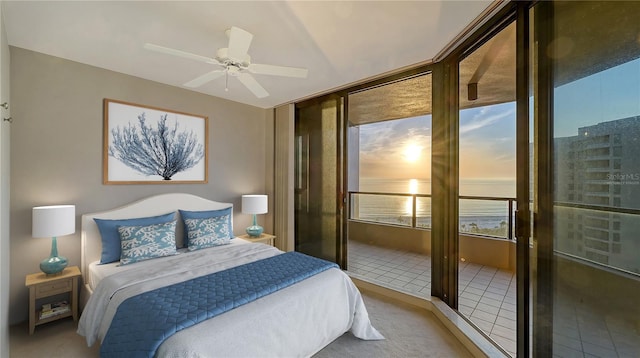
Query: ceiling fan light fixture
[[222, 55], [233, 70]]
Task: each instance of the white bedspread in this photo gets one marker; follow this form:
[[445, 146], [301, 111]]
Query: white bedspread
[[296, 321]]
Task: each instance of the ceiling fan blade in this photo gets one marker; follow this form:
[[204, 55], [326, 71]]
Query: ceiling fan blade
[[179, 53], [278, 70], [209, 76], [252, 85], [239, 42]]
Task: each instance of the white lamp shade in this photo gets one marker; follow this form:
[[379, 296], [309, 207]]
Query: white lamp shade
[[255, 204], [56, 220]]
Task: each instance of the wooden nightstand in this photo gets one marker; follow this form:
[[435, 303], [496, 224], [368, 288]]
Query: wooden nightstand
[[264, 238], [43, 286]]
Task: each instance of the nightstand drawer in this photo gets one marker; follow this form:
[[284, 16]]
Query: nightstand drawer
[[53, 288]]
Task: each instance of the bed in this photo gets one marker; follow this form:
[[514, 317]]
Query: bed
[[297, 320]]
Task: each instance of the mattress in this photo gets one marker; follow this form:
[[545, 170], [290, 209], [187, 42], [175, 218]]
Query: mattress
[[296, 321], [98, 271]]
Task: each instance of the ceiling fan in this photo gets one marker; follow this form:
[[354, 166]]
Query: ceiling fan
[[235, 62]]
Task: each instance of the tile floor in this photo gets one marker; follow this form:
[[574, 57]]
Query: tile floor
[[488, 299], [588, 329], [487, 294]]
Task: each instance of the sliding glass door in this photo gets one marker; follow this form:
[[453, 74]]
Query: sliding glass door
[[588, 252], [487, 187], [319, 178], [485, 147]]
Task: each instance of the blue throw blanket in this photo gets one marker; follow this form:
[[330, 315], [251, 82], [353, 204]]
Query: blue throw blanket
[[143, 322]]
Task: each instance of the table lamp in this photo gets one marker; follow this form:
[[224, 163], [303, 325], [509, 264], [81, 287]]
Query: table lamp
[[53, 221], [254, 204]]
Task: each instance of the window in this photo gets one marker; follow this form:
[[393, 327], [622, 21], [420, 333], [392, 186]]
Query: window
[[391, 125]]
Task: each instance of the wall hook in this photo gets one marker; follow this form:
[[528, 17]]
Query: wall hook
[[8, 119], [5, 105]]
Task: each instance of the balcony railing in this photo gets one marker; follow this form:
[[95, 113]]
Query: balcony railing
[[479, 215], [494, 217]]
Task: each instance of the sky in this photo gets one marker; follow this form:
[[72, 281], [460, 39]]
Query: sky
[[402, 148], [396, 149], [605, 96], [488, 142]]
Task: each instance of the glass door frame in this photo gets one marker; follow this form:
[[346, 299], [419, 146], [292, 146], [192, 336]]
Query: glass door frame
[[523, 180], [542, 283], [445, 167]]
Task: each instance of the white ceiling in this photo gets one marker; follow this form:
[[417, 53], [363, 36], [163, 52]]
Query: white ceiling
[[339, 42]]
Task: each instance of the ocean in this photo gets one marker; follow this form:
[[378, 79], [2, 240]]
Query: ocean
[[474, 214]]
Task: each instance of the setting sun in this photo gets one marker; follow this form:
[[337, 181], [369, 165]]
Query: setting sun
[[413, 186], [412, 153]]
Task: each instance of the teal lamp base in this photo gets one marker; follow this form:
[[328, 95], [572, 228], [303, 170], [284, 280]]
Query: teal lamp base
[[254, 230], [53, 264]]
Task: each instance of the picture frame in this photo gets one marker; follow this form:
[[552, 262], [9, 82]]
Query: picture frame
[[151, 145]]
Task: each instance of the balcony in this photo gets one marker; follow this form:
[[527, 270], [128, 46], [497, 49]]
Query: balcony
[[487, 294], [486, 225], [394, 252]]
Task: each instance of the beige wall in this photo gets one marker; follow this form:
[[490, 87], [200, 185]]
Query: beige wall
[[56, 151], [394, 237], [283, 225], [480, 250], [5, 130], [488, 251]]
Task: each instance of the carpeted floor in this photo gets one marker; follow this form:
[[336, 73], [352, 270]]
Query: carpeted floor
[[409, 332]]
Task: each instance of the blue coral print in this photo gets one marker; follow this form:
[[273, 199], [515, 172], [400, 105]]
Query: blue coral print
[[147, 242], [208, 232]]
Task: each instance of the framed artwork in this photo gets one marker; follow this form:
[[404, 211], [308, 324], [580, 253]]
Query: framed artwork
[[149, 145]]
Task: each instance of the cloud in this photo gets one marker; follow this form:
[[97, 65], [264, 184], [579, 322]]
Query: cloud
[[484, 118], [383, 145], [390, 135], [375, 137]]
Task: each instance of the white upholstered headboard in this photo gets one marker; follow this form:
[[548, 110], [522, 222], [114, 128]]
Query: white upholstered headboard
[[152, 206]]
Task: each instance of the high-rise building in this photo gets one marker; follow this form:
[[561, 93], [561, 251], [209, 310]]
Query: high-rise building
[[598, 172]]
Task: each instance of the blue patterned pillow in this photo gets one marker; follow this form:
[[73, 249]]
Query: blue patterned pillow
[[147, 242], [111, 238], [185, 214], [208, 232]]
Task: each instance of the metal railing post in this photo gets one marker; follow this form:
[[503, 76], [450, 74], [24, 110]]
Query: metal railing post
[[510, 223], [414, 214]]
